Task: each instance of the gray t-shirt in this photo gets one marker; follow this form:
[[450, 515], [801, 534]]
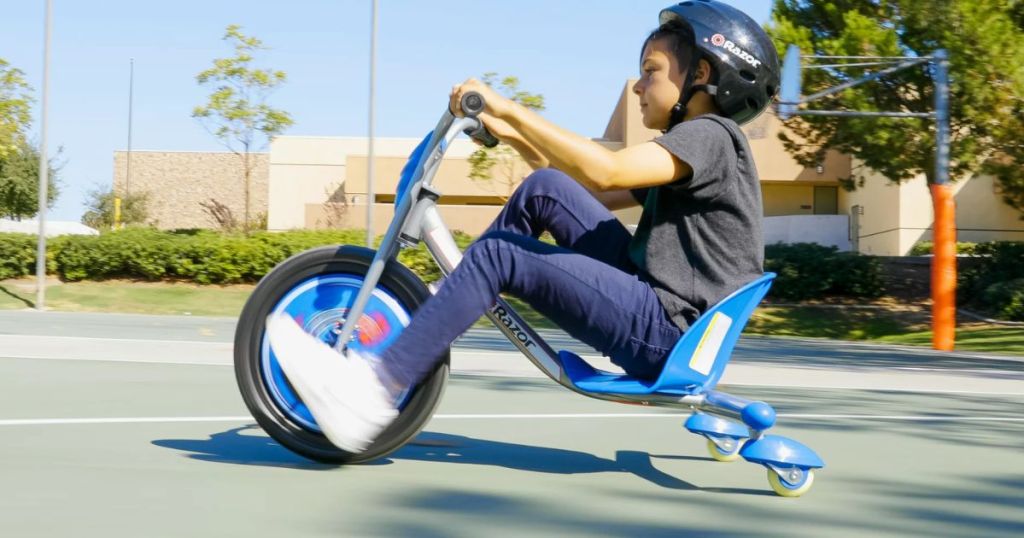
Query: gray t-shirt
[[699, 238]]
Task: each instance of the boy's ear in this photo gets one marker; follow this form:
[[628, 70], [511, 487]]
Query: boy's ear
[[703, 75]]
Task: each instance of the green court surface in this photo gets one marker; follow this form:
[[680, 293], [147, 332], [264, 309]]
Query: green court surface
[[134, 428]]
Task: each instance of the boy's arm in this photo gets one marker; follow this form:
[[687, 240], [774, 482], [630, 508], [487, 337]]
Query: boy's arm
[[594, 166], [504, 132]]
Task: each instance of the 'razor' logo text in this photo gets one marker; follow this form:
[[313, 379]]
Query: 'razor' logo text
[[719, 40], [506, 320]]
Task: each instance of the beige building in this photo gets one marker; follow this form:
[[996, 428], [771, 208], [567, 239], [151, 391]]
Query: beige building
[[179, 183], [317, 182]]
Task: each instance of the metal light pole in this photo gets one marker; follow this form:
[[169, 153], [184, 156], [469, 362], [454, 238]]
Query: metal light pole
[[944, 230], [369, 167], [131, 88], [44, 169]]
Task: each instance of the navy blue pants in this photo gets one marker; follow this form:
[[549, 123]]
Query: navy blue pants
[[586, 285]]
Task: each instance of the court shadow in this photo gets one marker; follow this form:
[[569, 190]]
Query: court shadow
[[458, 449], [247, 445]]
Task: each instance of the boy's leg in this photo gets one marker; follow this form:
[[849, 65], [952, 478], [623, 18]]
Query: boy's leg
[[548, 200], [607, 308]]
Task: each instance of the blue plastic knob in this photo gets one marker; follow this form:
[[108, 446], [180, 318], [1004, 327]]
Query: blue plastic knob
[[758, 415]]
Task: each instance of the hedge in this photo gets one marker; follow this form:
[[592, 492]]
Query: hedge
[[805, 270], [924, 248], [202, 256], [995, 282], [808, 270]]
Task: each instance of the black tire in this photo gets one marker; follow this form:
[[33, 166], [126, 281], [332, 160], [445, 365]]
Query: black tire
[[400, 282]]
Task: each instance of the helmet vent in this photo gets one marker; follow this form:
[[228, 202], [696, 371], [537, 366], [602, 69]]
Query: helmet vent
[[748, 76]]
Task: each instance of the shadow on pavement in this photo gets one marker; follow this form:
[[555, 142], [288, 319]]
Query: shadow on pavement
[[458, 449], [235, 446]]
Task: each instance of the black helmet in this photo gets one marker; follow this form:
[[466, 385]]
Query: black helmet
[[741, 55]]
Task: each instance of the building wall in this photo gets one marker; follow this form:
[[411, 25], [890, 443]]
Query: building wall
[[999, 222], [309, 170], [785, 199], [774, 163], [879, 226], [827, 230], [178, 181], [898, 216], [981, 214]]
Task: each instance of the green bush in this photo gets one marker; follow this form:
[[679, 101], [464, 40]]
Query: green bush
[[203, 256], [130, 253], [1006, 299], [808, 271], [993, 283], [924, 248], [207, 257], [17, 255]]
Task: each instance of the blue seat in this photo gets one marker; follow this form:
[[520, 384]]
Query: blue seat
[[697, 360]]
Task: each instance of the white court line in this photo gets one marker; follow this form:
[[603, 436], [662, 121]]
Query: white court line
[[537, 374], [157, 420], [133, 420], [122, 340]]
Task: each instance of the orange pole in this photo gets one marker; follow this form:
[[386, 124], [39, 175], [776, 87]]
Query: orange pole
[[944, 269]]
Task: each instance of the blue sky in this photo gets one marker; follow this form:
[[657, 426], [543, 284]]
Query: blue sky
[[578, 54]]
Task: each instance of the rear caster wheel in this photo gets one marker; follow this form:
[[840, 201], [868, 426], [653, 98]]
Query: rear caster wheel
[[725, 449], [792, 483]]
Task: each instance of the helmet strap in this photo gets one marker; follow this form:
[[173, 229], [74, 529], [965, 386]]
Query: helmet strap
[[678, 113]]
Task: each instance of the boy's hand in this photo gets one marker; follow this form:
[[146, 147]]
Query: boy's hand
[[495, 104]]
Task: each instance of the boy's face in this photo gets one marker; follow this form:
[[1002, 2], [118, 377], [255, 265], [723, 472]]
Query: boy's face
[[659, 85]]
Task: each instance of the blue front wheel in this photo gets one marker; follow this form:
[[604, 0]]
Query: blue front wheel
[[316, 288]]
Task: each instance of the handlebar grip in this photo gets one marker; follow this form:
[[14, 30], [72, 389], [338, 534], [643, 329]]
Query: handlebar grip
[[472, 104], [482, 135]]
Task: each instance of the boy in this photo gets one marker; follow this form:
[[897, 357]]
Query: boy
[[707, 67]]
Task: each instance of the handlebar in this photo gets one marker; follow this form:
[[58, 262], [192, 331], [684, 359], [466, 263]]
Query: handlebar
[[472, 104]]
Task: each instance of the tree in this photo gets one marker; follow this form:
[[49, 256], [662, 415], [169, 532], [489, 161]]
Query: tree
[[986, 41], [483, 160], [237, 111], [15, 108], [99, 212], [19, 182]]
